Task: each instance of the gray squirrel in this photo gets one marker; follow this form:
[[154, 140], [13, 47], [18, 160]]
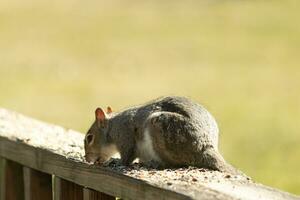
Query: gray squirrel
[[167, 132]]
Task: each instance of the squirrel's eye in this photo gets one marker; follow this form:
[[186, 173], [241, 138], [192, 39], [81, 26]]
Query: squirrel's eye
[[89, 138]]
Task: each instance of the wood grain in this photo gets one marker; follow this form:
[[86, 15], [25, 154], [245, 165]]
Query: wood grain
[[90, 194], [66, 190], [57, 151], [13, 186], [2, 179], [94, 177], [37, 185]]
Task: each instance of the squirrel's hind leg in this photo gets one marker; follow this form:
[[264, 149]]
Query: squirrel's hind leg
[[170, 137]]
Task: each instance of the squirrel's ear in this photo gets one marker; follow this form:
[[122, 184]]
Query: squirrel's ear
[[99, 114], [109, 110]]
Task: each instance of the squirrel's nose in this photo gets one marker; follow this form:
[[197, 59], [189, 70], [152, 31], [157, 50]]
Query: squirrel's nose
[[97, 161], [94, 159]]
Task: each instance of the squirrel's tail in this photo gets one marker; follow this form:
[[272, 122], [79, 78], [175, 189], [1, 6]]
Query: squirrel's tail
[[212, 159]]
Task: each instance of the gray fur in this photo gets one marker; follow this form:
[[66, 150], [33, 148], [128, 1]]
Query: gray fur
[[183, 133]]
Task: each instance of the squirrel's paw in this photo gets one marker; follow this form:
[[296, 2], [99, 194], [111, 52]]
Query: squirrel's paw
[[112, 162]]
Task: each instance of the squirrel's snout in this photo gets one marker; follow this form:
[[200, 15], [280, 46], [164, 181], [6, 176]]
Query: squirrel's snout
[[93, 158]]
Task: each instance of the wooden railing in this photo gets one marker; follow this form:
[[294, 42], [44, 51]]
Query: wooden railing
[[40, 161]]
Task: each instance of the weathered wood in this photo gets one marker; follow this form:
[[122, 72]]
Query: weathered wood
[[12, 185], [98, 178], [57, 188], [54, 150], [90, 194], [66, 190], [2, 178], [37, 185]]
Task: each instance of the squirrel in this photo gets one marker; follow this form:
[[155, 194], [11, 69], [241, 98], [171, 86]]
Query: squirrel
[[167, 132]]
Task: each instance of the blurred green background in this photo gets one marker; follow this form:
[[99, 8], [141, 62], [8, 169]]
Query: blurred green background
[[59, 60]]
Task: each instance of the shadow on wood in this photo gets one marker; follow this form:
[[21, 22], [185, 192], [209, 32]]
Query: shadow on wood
[[37, 185], [66, 190], [90, 194], [12, 185]]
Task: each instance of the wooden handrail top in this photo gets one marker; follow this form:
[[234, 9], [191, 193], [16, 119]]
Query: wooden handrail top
[[58, 151]]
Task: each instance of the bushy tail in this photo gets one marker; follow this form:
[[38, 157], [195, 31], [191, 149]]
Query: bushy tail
[[212, 159]]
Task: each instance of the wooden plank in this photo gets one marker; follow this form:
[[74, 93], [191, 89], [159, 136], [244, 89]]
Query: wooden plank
[[66, 190], [54, 150], [2, 178], [12, 187], [90, 194], [37, 185], [115, 184]]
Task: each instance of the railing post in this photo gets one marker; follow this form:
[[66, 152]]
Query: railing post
[[37, 185], [65, 190], [89, 194], [12, 185], [2, 178]]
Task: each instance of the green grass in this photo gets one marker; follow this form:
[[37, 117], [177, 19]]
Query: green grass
[[59, 60]]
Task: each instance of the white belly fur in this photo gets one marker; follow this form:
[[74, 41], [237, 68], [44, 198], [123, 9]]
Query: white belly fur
[[146, 151]]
